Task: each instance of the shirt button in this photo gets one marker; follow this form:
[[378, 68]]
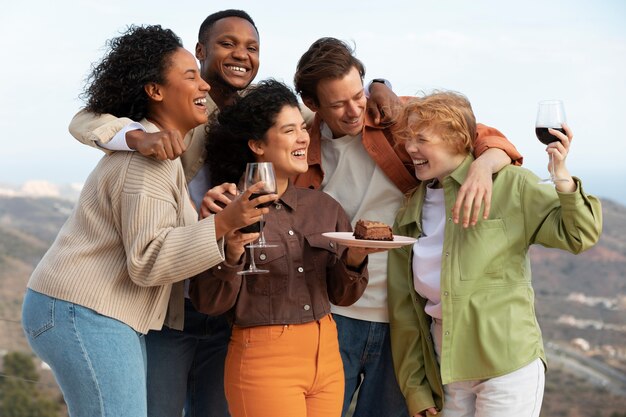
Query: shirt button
[[278, 206], [445, 293], [290, 232], [219, 267], [449, 219], [447, 253], [307, 307], [447, 333], [300, 269], [332, 244], [262, 256]]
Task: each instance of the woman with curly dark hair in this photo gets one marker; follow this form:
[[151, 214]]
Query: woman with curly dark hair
[[283, 358], [115, 270]]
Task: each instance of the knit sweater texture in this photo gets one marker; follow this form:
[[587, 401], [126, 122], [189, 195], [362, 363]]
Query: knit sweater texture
[[132, 239]]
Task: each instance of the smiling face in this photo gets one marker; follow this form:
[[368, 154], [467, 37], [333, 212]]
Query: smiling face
[[285, 144], [432, 156], [183, 96], [230, 54], [341, 103]]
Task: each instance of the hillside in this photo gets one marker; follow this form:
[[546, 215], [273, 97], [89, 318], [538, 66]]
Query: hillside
[[581, 303], [27, 228]]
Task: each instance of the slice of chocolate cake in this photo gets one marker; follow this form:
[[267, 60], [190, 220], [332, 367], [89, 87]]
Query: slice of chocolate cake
[[372, 230]]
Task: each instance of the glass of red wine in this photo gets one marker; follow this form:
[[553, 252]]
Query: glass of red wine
[[550, 115], [255, 172]]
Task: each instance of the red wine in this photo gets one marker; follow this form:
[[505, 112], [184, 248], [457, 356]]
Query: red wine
[[259, 194], [546, 137], [252, 228]]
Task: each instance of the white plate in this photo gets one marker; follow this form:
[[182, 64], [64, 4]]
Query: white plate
[[347, 239]]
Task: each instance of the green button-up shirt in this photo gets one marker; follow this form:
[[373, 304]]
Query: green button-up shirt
[[489, 323]]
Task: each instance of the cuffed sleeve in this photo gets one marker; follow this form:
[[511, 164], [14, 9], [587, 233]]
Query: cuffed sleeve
[[215, 291], [118, 143], [93, 129], [345, 285]]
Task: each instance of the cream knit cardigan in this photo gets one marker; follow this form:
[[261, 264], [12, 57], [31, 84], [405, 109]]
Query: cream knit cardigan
[[132, 239]]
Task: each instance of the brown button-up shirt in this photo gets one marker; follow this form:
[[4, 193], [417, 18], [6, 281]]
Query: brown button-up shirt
[[306, 269]]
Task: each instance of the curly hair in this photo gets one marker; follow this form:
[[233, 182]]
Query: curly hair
[[138, 57], [250, 117], [448, 113], [205, 27], [325, 58]]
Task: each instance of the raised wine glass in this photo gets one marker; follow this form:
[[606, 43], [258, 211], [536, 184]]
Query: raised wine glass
[[550, 115], [255, 172]]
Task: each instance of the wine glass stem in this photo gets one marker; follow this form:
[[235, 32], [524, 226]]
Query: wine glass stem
[[252, 266], [262, 235], [551, 167]]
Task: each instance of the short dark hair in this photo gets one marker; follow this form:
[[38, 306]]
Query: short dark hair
[[208, 23], [250, 117], [325, 58], [141, 55]]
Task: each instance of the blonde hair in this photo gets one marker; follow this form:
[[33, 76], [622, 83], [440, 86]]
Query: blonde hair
[[447, 113]]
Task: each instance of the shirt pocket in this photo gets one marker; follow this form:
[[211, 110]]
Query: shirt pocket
[[323, 252], [482, 250], [274, 282]]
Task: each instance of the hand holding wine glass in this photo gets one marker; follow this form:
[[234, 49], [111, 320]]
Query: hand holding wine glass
[[239, 211], [550, 115], [558, 155], [259, 172]]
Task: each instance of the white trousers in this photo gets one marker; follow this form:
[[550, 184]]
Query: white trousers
[[516, 394]]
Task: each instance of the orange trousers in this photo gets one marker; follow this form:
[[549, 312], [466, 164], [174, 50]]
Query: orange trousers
[[285, 371]]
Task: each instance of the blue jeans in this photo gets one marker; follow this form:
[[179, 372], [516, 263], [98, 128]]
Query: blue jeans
[[98, 362], [186, 368], [366, 353]]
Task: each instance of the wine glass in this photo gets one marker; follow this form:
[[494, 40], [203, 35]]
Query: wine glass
[[255, 172], [550, 115]]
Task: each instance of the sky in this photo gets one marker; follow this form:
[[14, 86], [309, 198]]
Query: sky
[[504, 56]]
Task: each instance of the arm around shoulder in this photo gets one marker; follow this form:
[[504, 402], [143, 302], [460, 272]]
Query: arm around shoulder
[[96, 129], [489, 137]]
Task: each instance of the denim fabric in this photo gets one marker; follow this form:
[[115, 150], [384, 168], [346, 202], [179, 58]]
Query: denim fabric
[[186, 368], [366, 353], [99, 362]]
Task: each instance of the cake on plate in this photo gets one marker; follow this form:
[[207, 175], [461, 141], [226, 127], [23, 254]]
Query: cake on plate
[[372, 230]]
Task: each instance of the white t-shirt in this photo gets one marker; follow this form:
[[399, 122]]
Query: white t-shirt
[[427, 252], [353, 179]]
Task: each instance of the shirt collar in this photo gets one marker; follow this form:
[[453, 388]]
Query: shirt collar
[[412, 212], [460, 173], [290, 197]]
